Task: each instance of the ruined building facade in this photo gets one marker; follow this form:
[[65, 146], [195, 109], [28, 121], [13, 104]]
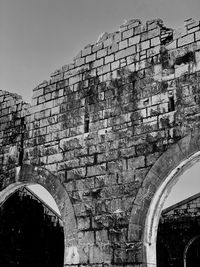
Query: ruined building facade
[[108, 136]]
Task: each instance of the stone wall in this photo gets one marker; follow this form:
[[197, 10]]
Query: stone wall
[[101, 124], [12, 126]]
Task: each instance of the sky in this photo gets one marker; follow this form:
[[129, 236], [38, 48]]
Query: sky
[[40, 36], [45, 196], [187, 185]]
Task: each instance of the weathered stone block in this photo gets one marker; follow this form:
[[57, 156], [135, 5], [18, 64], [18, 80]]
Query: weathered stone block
[[197, 36], [54, 158], [136, 162], [77, 173], [123, 44], [145, 45], [90, 58], [127, 34], [83, 223], [79, 62], [96, 170], [98, 63], [103, 69], [155, 41], [113, 48], [126, 52], [109, 59], [186, 40], [102, 53], [87, 51], [134, 40]]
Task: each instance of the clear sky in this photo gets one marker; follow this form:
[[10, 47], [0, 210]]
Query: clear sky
[[188, 185], [45, 196], [40, 36]]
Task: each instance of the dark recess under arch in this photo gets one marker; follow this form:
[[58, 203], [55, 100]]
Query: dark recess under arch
[[30, 234]]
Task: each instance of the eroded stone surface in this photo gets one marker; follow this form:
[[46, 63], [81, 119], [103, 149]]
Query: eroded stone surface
[[100, 125]]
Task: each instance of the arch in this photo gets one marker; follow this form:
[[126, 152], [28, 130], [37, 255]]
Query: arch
[[28, 175], [155, 188], [31, 234], [187, 247]]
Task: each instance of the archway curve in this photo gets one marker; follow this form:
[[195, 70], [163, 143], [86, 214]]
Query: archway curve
[[31, 233], [156, 187], [29, 175], [187, 247]]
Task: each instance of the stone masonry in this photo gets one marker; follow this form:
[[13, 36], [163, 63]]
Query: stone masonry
[[104, 132]]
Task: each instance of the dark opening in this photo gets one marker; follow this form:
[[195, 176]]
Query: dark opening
[[193, 254], [171, 104], [189, 57], [31, 234], [176, 228], [86, 122], [162, 256]]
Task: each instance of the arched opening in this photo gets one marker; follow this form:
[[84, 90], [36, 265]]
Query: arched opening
[[191, 255], [31, 232], [150, 237], [163, 255], [180, 218]]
